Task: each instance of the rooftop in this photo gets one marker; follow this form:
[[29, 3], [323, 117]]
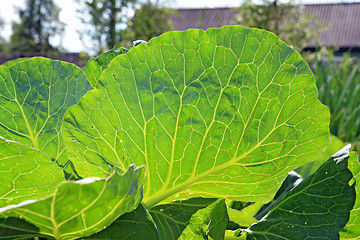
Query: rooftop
[[342, 21]]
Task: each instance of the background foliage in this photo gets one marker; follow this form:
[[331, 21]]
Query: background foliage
[[339, 89], [39, 24], [286, 19], [103, 20], [150, 20]]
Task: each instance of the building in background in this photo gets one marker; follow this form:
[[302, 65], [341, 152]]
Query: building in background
[[341, 21]]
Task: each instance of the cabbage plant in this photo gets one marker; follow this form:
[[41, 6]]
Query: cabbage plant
[[164, 140]]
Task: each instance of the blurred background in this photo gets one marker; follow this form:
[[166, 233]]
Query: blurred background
[[326, 33]]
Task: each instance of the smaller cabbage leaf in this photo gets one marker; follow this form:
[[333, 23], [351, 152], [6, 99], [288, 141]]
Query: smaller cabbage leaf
[[173, 218], [352, 229], [34, 95], [16, 228], [137, 224], [167, 221], [25, 173], [12, 62], [96, 66], [218, 220], [317, 208], [79, 208]]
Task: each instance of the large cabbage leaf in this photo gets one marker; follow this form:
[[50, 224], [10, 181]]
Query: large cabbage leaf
[[222, 113]]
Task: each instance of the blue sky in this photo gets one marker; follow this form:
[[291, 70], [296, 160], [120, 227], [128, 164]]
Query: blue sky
[[71, 40]]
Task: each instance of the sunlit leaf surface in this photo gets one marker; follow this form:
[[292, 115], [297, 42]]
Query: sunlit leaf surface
[[34, 95], [12, 62], [25, 173], [96, 66], [222, 113], [80, 208]]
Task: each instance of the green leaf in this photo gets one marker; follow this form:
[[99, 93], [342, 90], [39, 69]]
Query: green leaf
[[81, 208], [25, 173], [219, 218], [209, 222], [335, 145], [12, 62], [134, 225], [15, 228], [319, 207], [172, 219], [224, 113], [34, 95], [352, 230], [198, 224], [165, 222], [96, 66], [244, 217], [291, 181]]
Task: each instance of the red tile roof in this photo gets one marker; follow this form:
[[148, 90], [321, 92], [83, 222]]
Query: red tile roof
[[342, 21]]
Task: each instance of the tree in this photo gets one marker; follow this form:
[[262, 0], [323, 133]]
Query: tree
[[286, 20], [39, 23], [104, 20], [2, 40], [150, 20]]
